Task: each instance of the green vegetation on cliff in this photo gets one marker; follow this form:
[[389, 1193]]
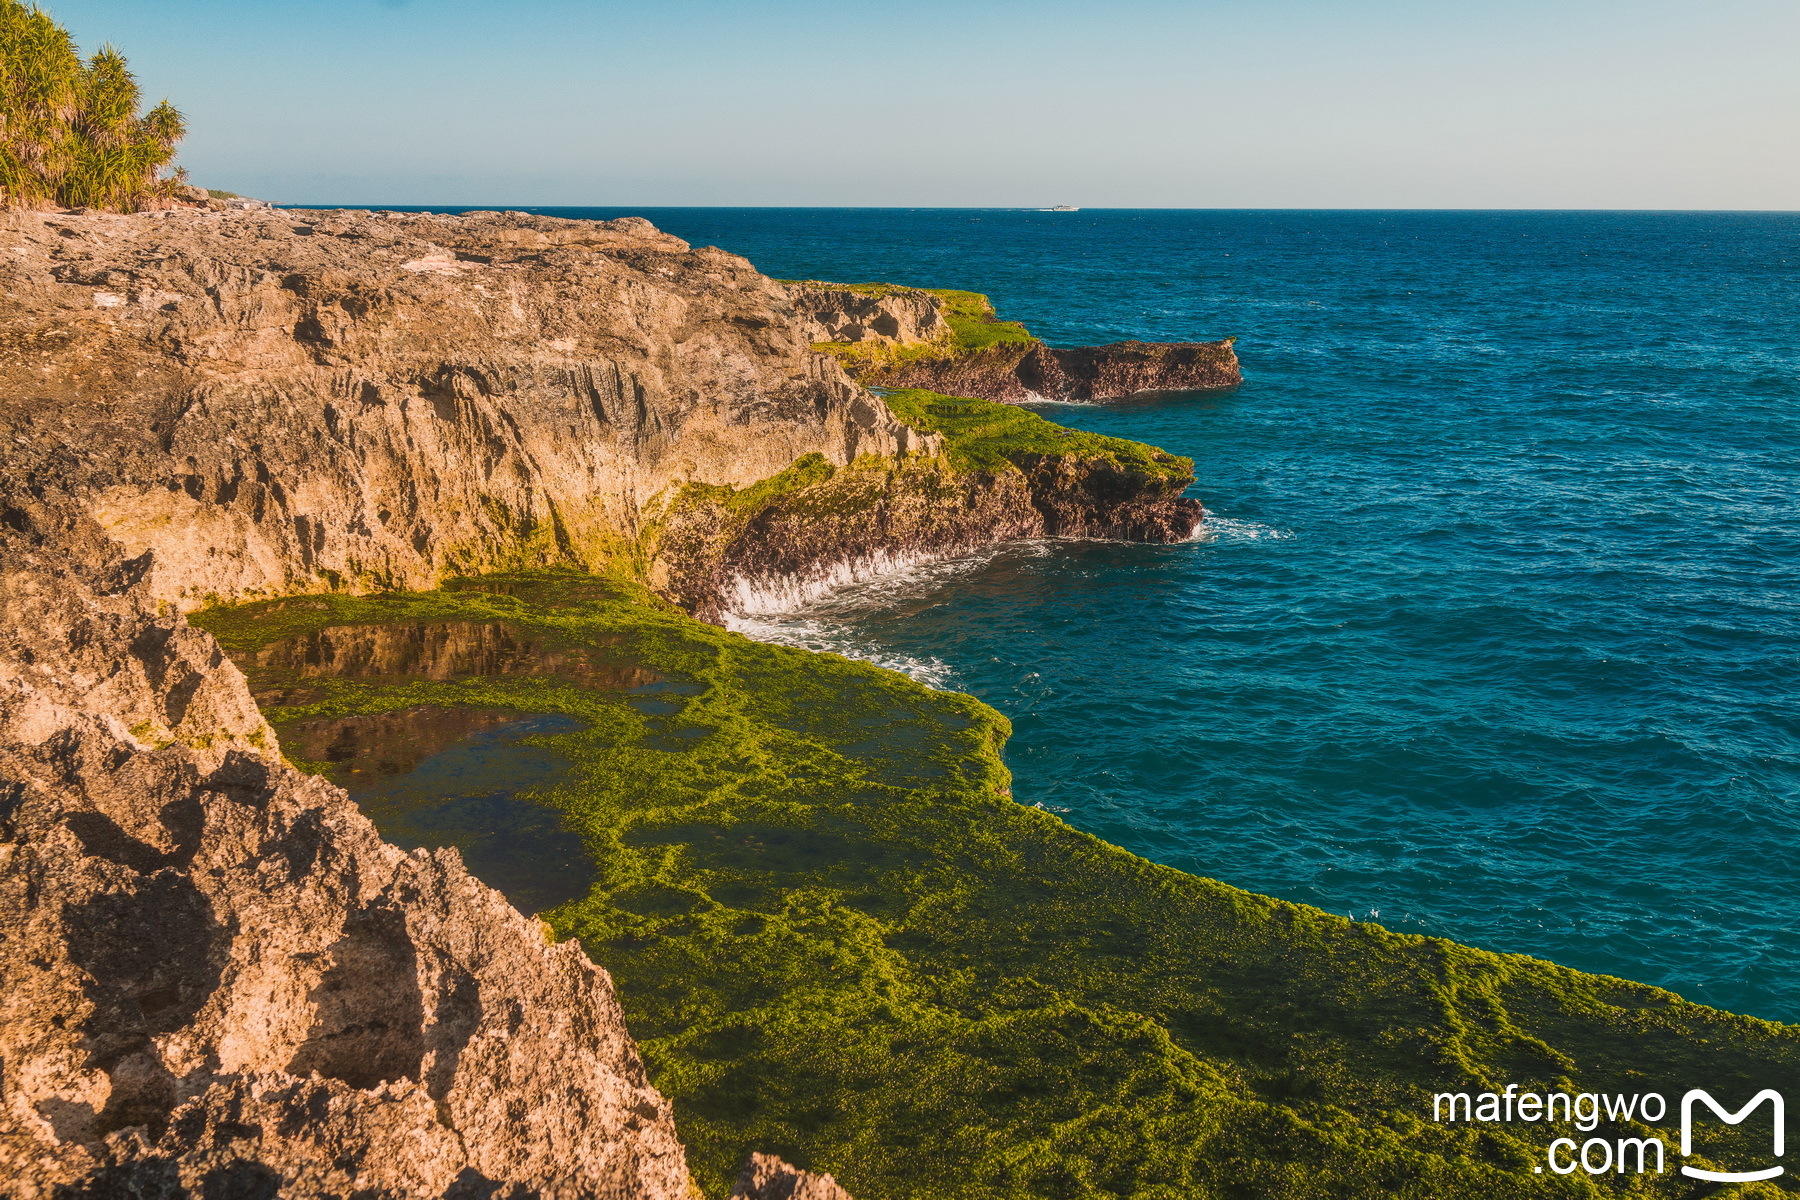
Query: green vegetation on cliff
[[971, 318], [839, 939], [71, 134], [989, 436], [973, 329]]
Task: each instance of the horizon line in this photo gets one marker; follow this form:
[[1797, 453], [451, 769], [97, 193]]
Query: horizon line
[[398, 207]]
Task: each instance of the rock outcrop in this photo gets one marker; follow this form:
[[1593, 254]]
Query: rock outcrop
[[266, 402], [1015, 374], [217, 980], [906, 338], [270, 402], [881, 515], [766, 1177]]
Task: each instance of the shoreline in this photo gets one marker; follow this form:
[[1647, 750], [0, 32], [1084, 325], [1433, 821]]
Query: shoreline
[[950, 837], [833, 932]]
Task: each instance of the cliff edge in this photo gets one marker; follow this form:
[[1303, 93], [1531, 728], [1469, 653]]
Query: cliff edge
[[268, 402], [949, 341]]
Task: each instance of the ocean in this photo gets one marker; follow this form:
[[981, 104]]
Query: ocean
[[1493, 632]]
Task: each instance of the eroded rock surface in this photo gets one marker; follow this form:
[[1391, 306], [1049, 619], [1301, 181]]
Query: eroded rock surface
[[216, 980], [766, 1177], [1015, 373], [892, 316], [1010, 372], [884, 515], [269, 402]]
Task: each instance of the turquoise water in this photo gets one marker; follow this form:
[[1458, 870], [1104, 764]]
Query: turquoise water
[[1496, 629]]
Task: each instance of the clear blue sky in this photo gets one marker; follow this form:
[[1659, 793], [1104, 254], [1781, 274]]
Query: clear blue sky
[[1151, 103]]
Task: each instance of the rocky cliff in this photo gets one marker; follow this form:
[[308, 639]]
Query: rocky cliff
[[868, 313], [262, 403], [951, 342], [269, 402], [217, 980]]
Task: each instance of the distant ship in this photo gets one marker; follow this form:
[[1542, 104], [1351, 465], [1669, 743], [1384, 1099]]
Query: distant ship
[[1063, 208]]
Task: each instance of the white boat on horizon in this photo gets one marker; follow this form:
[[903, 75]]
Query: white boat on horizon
[[1063, 208]]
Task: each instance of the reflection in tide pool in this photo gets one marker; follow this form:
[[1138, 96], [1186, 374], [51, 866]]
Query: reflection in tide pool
[[292, 671], [444, 776]]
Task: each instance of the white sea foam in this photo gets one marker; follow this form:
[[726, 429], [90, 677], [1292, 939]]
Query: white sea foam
[[1230, 531], [813, 633], [792, 593], [811, 613]]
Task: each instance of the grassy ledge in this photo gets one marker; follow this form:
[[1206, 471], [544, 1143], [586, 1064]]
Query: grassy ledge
[[987, 436], [839, 939], [973, 329]]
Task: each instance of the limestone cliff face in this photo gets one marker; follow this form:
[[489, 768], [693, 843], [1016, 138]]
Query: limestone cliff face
[[1014, 373], [878, 515], [216, 979], [265, 403], [271, 402]]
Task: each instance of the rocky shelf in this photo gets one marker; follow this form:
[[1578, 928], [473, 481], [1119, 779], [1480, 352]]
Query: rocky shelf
[[952, 342]]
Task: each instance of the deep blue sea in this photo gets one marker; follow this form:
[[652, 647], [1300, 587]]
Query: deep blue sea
[[1496, 631]]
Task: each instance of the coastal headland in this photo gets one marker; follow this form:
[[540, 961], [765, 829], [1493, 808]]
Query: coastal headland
[[274, 478], [951, 341]]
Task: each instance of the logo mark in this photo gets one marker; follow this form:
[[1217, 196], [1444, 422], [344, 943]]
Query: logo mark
[[1730, 1118]]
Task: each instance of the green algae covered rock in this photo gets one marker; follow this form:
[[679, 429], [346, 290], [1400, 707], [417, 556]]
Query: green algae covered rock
[[839, 939]]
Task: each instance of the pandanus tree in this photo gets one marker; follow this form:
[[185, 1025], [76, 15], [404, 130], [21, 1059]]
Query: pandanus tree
[[71, 134]]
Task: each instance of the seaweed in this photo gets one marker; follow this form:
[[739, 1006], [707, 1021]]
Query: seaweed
[[838, 938], [984, 435]]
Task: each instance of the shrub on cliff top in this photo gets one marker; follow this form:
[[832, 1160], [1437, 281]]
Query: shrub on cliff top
[[71, 134]]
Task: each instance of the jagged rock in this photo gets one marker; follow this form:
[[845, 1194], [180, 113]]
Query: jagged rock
[[1014, 373], [1010, 372], [271, 402], [893, 316], [215, 976], [881, 516], [766, 1177]]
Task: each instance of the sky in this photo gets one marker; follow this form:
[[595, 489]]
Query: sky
[[1658, 104]]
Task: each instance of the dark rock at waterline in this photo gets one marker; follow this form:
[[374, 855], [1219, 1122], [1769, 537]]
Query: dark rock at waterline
[[878, 516], [905, 337], [1013, 373]]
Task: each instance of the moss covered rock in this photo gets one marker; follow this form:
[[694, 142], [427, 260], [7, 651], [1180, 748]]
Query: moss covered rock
[[840, 939]]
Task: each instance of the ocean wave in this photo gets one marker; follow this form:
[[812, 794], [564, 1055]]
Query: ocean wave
[[1231, 531], [820, 615], [823, 634], [795, 593]]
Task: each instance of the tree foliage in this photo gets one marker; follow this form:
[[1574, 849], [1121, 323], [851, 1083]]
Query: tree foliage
[[71, 134]]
